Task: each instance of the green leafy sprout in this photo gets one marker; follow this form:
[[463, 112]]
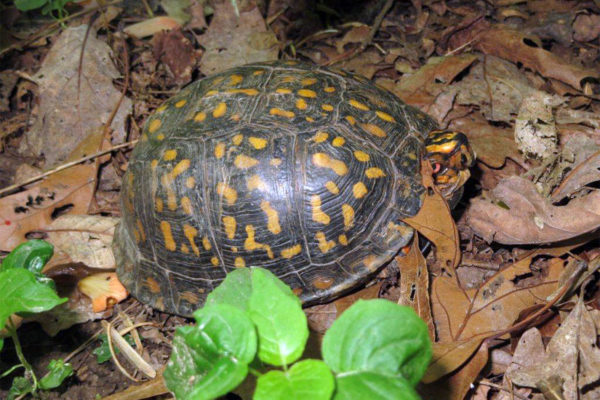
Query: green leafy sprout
[[375, 350], [56, 8], [24, 289]]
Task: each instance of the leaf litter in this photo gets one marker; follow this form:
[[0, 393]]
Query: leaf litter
[[520, 79]]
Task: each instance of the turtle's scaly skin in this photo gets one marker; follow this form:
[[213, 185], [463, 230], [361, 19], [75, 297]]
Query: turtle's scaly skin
[[294, 168]]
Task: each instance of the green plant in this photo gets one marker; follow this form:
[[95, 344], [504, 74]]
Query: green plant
[[47, 6], [24, 289], [374, 350]]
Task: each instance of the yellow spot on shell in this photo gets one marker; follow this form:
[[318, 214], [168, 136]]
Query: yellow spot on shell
[[324, 161], [239, 262], [186, 204], [220, 110], [154, 125], [258, 72], [348, 214], [249, 92], [310, 119], [227, 192], [180, 103], [374, 172], [359, 190], [329, 89], [190, 297], [237, 139], [257, 143], [159, 205], [307, 93], [308, 81], [212, 92], [291, 251], [385, 116], [281, 113], [350, 119], [235, 79], [338, 141], [190, 233], [190, 182], [220, 150], [214, 261], [288, 79], [160, 136], [206, 243], [152, 285], [140, 229], [332, 187], [301, 104], [327, 107], [180, 168], [361, 156], [324, 244], [244, 162], [374, 130], [201, 116], [283, 91], [272, 217], [343, 240], [359, 105], [254, 182], [162, 108], [317, 214], [165, 227], [170, 155], [320, 137], [275, 162], [229, 225], [250, 243]]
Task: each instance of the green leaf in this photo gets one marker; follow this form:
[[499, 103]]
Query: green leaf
[[31, 255], [20, 386], [212, 357], [307, 379], [373, 386], [58, 371], [279, 319], [20, 292], [26, 5], [102, 352], [381, 337], [235, 290]]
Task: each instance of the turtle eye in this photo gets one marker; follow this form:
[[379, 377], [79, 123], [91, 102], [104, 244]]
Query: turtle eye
[[436, 167]]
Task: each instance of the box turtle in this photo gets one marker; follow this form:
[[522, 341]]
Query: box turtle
[[299, 169]]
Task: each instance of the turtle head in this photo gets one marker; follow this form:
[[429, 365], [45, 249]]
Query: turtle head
[[451, 157]]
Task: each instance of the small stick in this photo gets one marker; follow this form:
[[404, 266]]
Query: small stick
[[377, 23], [65, 166]]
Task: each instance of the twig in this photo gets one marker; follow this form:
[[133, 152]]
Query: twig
[[490, 384], [65, 166], [377, 23]]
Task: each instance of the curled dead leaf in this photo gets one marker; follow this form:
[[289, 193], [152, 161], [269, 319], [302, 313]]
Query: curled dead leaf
[[515, 213]]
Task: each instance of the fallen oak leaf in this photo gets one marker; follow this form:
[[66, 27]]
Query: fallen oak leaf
[[435, 222], [515, 213], [581, 175], [518, 47]]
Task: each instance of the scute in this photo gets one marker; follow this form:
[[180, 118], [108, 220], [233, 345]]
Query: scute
[[298, 169]]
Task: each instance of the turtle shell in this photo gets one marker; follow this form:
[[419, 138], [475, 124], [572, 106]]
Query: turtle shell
[[302, 170]]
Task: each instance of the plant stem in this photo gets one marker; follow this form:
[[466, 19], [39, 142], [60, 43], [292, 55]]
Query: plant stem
[[254, 372], [29, 369]]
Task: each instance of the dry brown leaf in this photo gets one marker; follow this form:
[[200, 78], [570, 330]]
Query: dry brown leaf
[[435, 222], [456, 385], [74, 103], [572, 355], [586, 27], [70, 190], [414, 284], [517, 47], [151, 26], [231, 41], [421, 88], [357, 34], [367, 63], [579, 176], [492, 144], [82, 239], [449, 356], [515, 213]]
